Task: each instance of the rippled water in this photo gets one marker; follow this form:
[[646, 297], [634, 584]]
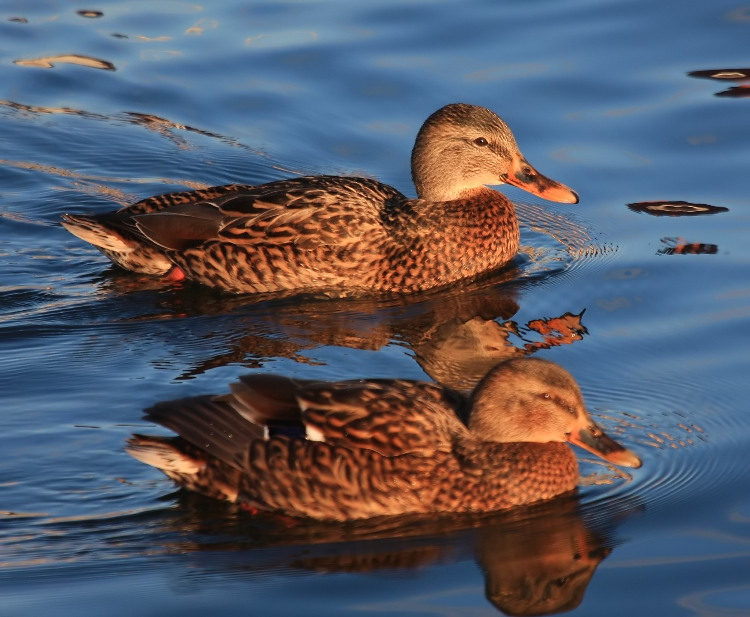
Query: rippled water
[[628, 102]]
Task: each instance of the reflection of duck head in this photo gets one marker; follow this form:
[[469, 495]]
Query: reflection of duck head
[[542, 565], [459, 352], [359, 449]]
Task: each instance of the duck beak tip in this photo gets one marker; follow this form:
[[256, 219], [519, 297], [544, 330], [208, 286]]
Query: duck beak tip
[[605, 447]]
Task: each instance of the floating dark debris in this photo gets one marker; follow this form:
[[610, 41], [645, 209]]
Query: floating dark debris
[[740, 91], [722, 74], [678, 246], [90, 14], [675, 208]]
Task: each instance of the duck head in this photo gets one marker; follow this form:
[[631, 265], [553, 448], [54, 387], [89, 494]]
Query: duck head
[[534, 400], [462, 147]]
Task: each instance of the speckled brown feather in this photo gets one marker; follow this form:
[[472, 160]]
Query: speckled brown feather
[[373, 447], [340, 235], [116, 235]]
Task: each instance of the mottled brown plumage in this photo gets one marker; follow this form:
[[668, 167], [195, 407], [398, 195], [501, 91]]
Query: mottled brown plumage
[[359, 449], [340, 235]]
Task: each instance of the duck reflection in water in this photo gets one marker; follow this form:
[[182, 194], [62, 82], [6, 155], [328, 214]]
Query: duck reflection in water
[[535, 560], [456, 336], [359, 449]]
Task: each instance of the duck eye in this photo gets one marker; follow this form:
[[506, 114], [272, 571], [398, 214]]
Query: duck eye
[[481, 141]]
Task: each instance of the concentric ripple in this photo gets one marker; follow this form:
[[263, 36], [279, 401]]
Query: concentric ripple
[[553, 237], [682, 457]]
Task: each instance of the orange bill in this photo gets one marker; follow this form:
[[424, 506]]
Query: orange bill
[[525, 177], [596, 441]]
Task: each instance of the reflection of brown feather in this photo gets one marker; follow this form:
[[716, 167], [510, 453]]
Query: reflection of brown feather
[[536, 560]]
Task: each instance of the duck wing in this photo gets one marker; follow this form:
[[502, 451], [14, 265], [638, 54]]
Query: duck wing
[[390, 417], [307, 211]]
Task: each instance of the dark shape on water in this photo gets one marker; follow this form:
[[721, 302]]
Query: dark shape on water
[[740, 75], [675, 208], [678, 246], [722, 74]]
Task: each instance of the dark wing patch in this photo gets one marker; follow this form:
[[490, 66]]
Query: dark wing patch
[[180, 227], [390, 417], [210, 424], [269, 401]]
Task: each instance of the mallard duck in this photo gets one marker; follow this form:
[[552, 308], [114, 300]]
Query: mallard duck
[[340, 235], [359, 449]]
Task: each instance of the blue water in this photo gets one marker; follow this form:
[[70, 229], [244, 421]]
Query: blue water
[[99, 111]]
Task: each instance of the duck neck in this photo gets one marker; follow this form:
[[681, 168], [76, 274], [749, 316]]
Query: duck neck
[[437, 167], [460, 238], [516, 474], [434, 181], [481, 224]]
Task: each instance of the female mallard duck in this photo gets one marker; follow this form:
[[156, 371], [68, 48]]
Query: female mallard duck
[[358, 449], [340, 235]]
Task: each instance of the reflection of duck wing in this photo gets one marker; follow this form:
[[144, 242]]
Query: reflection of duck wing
[[326, 450], [390, 417]]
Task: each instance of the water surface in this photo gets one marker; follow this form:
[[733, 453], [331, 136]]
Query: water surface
[[625, 101]]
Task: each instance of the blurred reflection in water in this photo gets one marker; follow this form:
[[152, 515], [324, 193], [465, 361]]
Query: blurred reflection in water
[[456, 336], [535, 561]]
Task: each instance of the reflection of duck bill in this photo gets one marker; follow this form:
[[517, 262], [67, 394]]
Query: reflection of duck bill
[[596, 441]]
